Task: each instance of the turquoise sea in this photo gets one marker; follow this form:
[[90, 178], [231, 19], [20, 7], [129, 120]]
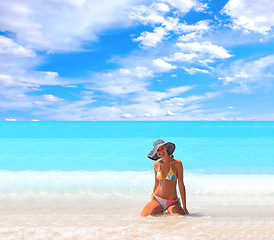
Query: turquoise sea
[[90, 180], [223, 147]]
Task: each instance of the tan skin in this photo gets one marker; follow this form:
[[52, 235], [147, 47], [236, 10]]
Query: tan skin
[[165, 188]]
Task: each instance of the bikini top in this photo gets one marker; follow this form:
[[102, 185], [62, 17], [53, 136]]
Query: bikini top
[[170, 176]]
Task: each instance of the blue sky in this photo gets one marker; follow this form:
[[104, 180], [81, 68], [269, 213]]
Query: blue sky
[[136, 60]]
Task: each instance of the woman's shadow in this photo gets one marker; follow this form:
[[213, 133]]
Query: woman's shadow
[[195, 215], [191, 215]]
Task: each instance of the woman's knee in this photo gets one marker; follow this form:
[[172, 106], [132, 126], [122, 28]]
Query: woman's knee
[[144, 214], [151, 208]]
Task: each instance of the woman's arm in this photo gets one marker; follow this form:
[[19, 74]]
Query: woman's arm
[[182, 185], [155, 174]]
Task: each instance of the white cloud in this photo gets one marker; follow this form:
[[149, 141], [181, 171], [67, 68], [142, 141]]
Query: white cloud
[[39, 103], [43, 100], [168, 25], [51, 98], [199, 53], [144, 106], [251, 15], [122, 93], [152, 14], [9, 47], [169, 113], [67, 110], [18, 97], [183, 57], [147, 105], [196, 28], [31, 80], [243, 76], [193, 70], [226, 80], [201, 7], [183, 6], [179, 101], [126, 115], [159, 96], [71, 86], [61, 25], [6, 80], [131, 78], [141, 72], [178, 90], [80, 112], [151, 39], [161, 7], [16, 85], [155, 13], [162, 66], [16, 67], [9, 81], [121, 81], [189, 37], [214, 51], [171, 24]]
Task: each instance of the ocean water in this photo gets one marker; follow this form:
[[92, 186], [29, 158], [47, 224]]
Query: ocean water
[[90, 180]]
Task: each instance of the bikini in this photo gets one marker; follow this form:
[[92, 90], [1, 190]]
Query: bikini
[[165, 203], [170, 176]]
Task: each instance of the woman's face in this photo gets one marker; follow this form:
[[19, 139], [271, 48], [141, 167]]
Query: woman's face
[[162, 151]]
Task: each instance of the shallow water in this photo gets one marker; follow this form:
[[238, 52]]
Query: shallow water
[[117, 217]]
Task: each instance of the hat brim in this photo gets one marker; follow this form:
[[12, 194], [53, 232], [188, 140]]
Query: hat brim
[[170, 150]]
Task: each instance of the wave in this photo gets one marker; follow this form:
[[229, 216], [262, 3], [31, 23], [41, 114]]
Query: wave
[[129, 182]]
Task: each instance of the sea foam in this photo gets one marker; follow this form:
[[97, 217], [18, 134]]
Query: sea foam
[[130, 182]]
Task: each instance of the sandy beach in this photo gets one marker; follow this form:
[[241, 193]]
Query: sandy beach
[[117, 217]]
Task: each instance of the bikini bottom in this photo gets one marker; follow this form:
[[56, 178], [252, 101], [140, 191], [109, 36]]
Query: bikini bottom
[[164, 202]]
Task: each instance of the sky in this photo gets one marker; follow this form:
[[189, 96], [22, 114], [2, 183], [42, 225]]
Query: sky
[[90, 60]]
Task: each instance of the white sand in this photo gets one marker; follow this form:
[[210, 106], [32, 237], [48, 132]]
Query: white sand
[[117, 217]]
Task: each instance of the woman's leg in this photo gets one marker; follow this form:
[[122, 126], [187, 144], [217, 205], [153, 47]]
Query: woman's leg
[[152, 208], [175, 210]]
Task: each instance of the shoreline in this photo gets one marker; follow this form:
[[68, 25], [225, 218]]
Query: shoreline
[[82, 221]]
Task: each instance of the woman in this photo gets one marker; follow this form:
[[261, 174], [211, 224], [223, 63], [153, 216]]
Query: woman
[[167, 171]]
